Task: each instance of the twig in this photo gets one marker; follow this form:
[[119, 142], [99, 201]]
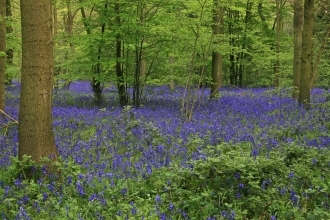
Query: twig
[[16, 122]]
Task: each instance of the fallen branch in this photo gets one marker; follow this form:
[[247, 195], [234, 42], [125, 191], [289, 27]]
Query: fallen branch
[[6, 126], [15, 121]]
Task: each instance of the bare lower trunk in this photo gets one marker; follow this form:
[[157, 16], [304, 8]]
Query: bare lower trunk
[[216, 56], [36, 137]]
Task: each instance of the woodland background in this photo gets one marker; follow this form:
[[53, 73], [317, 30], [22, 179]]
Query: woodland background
[[136, 43]]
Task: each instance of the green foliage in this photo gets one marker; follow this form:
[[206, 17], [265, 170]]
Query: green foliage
[[291, 182]]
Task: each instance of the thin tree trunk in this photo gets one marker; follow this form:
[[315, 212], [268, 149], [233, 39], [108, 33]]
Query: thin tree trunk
[[306, 55], [277, 47], [2, 53], [216, 56], [96, 84], [171, 83], [298, 20], [35, 132], [9, 30], [123, 99]]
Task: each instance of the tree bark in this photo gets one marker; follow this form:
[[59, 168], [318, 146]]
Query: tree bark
[[119, 70], [36, 137], [216, 56], [306, 55], [277, 47], [10, 51], [2, 53], [298, 20], [171, 63]]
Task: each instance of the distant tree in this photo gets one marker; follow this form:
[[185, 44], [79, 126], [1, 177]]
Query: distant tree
[[298, 19], [306, 55], [96, 61], [123, 96], [9, 30], [2, 52], [277, 42], [216, 56], [36, 137]]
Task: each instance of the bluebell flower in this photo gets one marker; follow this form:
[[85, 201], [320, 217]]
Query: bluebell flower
[[124, 191], [69, 180], [291, 175], [162, 216], [44, 170], [93, 197], [171, 207], [17, 182], [22, 214], [80, 188], [36, 206], [149, 170], [158, 199], [44, 196], [133, 210], [283, 191], [294, 198], [7, 189], [314, 161], [255, 152]]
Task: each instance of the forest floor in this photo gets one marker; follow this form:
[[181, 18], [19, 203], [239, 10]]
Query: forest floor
[[251, 154]]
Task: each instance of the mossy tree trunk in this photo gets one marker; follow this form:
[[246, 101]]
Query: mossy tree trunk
[[36, 137]]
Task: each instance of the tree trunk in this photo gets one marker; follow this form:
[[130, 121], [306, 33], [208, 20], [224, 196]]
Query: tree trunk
[[277, 47], [306, 55], [216, 56], [97, 68], [298, 20], [123, 100], [171, 83], [36, 137], [10, 51], [2, 53]]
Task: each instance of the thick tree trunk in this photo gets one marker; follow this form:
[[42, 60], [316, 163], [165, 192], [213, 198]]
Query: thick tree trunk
[[216, 56], [306, 55], [36, 137], [2, 53], [298, 20]]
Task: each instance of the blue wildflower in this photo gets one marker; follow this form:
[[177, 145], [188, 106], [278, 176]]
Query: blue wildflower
[[158, 199]]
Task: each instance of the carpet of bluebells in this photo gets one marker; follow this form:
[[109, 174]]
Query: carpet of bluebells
[[148, 162]]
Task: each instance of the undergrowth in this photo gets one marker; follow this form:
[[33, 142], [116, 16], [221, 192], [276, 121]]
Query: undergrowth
[[225, 183]]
